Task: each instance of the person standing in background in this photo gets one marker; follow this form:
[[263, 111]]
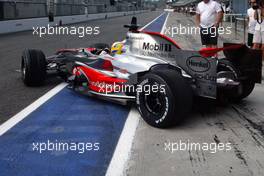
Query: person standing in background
[[209, 15], [258, 39], [252, 22]]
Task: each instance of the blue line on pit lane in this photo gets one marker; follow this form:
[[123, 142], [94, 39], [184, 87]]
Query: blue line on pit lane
[[157, 25], [67, 117]]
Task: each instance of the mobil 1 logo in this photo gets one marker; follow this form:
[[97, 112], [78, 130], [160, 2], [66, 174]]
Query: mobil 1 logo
[[147, 46]]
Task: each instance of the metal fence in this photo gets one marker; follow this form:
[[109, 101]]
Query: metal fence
[[10, 10]]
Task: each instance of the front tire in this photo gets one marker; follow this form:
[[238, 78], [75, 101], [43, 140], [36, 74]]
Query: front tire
[[33, 67], [170, 104]]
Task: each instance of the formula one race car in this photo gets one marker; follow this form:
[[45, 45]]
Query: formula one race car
[[151, 70]]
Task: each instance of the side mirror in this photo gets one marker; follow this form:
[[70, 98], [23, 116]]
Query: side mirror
[[133, 26]]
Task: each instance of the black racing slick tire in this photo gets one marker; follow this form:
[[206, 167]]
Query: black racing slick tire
[[33, 67], [247, 88], [170, 104]]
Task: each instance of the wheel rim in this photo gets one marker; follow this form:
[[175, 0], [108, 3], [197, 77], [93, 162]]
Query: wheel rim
[[23, 71], [228, 69], [155, 103]]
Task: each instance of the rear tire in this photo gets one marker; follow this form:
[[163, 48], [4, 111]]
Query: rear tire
[[169, 106], [33, 67], [247, 86]]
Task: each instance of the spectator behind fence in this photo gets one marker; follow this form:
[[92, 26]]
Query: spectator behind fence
[[258, 39], [209, 15], [251, 22]]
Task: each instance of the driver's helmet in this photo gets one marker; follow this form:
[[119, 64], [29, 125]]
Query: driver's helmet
[[117, 48]]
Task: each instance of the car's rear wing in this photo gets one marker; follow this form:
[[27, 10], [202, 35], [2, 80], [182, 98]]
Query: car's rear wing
[[247, 60]]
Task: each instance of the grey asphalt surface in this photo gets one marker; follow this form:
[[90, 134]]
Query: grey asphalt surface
[[241, 125], [14, 96]]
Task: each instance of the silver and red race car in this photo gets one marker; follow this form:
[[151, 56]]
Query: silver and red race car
[[151, 70]]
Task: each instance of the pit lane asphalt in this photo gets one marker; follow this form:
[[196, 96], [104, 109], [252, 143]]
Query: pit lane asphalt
[[241, 125], [14, 96], [67, 118]]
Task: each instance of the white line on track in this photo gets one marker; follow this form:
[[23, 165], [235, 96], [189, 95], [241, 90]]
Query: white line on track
[[165, 24], [122, 151], [124, 145], [28, 110]]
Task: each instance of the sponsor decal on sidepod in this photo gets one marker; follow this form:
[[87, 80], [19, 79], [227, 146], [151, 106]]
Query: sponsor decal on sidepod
[[198, 64]]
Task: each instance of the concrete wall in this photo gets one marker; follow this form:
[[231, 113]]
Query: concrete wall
[[28, 24]]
